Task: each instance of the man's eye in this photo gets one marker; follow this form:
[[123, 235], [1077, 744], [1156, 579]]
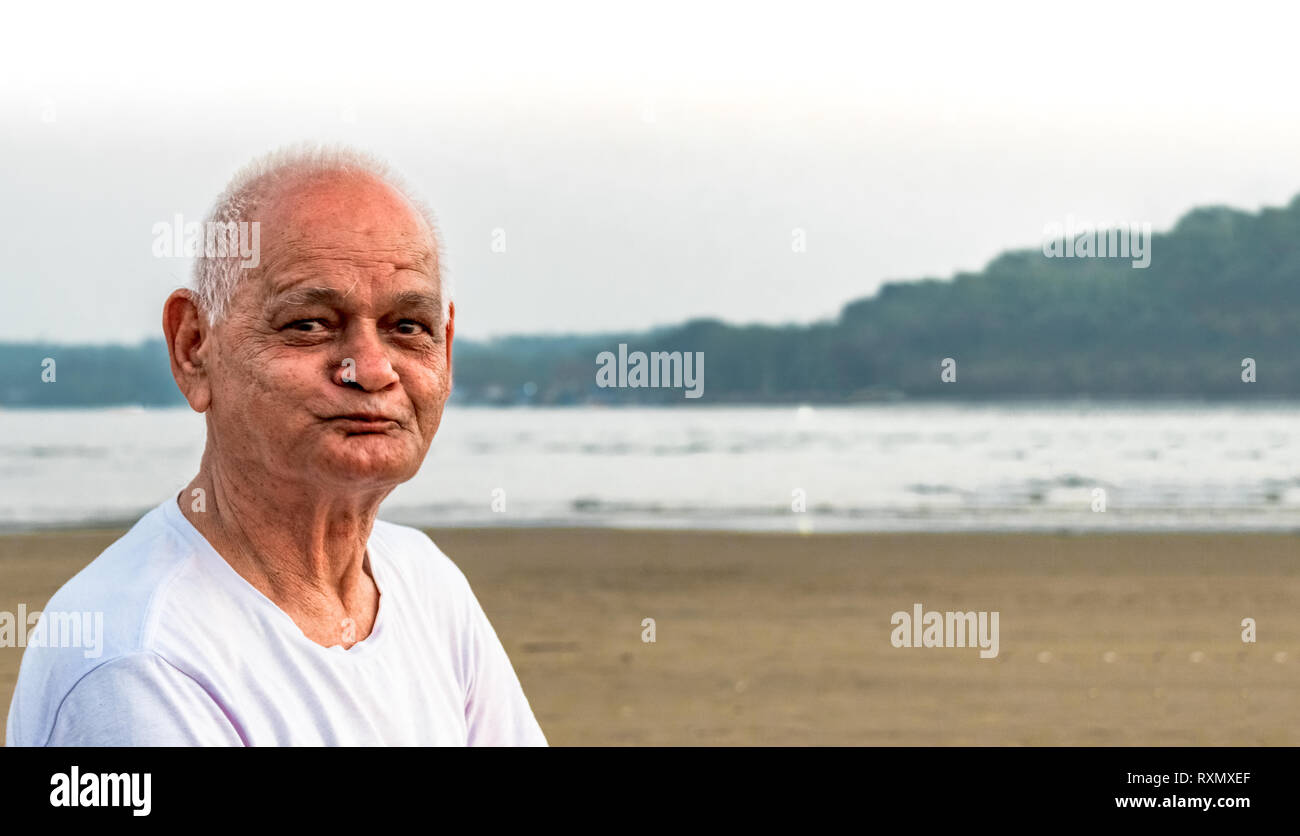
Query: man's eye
[[410, 326], [306, 325]]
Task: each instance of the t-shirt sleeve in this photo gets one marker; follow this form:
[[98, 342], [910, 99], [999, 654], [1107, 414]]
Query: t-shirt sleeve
[[140, 700], [496, 711]]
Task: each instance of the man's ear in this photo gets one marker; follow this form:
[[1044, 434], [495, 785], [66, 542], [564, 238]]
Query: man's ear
[[187, 335], [451, 332]]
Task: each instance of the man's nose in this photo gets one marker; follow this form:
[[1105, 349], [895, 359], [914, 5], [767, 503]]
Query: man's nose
[[367, 364]]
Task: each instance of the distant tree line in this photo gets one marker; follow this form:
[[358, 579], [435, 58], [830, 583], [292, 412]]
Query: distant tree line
[[1222, 286]]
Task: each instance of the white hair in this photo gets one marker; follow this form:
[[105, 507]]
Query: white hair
[[253, 186]]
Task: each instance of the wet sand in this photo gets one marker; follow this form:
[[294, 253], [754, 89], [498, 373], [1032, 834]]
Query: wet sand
[[785, 639]]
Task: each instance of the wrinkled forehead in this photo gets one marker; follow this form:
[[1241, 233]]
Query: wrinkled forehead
[[344, 218]]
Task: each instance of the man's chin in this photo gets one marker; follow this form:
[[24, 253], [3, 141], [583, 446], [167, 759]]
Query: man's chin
[[365, 461]]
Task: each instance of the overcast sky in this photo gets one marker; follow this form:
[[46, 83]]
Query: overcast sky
[[646, 165]]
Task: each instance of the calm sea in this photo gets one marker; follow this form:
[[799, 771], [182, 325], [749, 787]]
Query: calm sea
[[865, 468]]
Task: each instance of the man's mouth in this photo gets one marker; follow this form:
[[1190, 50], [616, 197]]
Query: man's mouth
[[365, 422]]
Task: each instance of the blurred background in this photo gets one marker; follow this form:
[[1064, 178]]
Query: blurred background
[[847, 210]]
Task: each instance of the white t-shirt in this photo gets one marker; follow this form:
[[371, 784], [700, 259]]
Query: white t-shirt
[[194, 655]]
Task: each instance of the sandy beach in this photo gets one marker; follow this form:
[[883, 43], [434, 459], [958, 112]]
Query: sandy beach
[[785, 639]]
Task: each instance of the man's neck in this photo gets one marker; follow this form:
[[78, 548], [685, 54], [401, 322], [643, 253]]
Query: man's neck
[[304, 551]]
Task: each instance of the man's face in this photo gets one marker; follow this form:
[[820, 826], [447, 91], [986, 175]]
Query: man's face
[[333, 363]]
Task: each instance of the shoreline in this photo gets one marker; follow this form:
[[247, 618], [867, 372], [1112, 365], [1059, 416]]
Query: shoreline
[[937, 526]]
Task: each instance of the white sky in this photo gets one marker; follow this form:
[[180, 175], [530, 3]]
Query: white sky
[[647, 163]]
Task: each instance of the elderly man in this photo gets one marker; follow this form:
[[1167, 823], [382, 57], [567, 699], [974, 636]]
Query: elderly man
[[265, 605]]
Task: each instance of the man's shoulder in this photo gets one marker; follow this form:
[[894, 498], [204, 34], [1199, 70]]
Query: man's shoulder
[[129, 583], [107, 614]]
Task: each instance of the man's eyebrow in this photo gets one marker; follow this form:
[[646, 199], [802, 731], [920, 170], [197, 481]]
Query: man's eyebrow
[[417, 299], [305, 296]]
